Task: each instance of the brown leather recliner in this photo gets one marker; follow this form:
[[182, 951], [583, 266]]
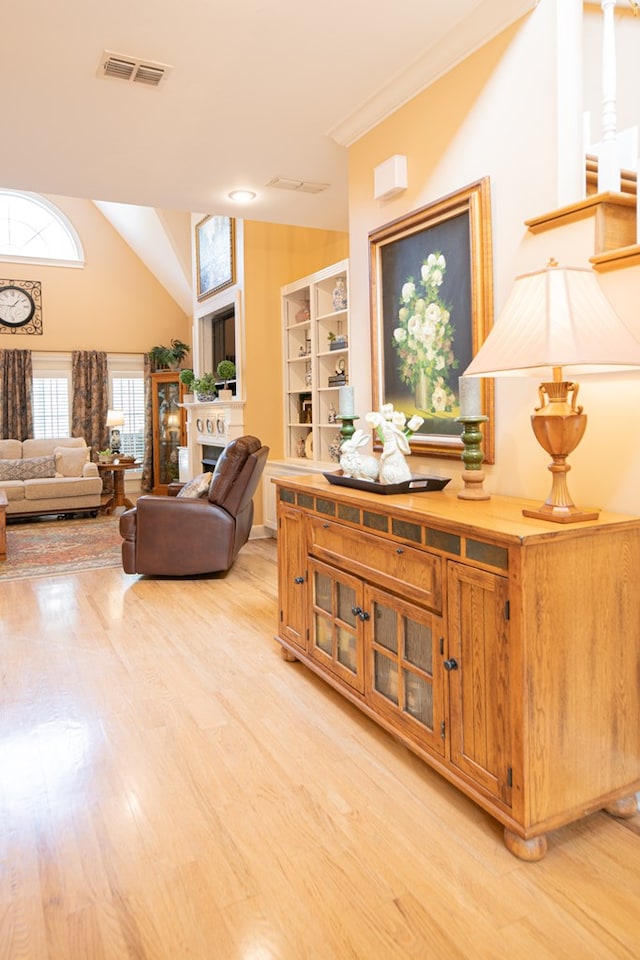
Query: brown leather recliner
[[179, 536]]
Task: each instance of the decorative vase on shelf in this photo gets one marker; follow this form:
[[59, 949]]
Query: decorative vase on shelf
[[340, 295]]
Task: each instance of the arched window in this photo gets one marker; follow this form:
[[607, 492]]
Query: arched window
[[33, 229]]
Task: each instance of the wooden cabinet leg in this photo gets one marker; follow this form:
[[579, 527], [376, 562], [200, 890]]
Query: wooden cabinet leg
[[530, 850], [287, 655], [624, 808]]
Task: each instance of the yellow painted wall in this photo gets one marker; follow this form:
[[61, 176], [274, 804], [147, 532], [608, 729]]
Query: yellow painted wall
[[114, 303], [275, 255], [495, 115]]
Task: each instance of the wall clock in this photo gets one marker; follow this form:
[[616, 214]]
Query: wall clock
[[20, 306]]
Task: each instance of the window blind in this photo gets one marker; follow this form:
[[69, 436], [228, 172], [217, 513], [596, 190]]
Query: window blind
[[50, 401], [128, 397]]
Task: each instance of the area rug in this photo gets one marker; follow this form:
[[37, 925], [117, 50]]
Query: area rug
[[45, 548]]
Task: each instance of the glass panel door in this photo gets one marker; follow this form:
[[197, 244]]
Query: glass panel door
[[404, 670], [337, 624]]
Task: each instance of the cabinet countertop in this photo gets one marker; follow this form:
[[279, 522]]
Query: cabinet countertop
[[501, 516]]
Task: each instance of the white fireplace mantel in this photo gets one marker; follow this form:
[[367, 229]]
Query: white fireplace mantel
[[211, 424]]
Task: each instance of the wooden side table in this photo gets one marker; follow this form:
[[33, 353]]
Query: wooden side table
[[117, 469], [3, 525]]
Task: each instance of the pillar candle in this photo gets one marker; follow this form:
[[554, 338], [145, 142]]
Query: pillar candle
[[347, 407], [470, 404]]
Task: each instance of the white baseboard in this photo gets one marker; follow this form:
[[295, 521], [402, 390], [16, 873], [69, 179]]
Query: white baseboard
[[260, 532]]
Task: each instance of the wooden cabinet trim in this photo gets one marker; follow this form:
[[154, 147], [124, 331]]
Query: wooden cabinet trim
[[561, 708]]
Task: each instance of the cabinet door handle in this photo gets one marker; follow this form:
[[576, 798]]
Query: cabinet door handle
[[325, 526], [298, 580], [451, 664], [400, 550], [359, 612]]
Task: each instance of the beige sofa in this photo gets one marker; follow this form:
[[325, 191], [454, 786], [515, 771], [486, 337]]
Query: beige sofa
[[49, 476]]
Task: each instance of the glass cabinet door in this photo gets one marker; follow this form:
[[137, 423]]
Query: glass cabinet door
[[337, 621], [404, 666], [168, 428]]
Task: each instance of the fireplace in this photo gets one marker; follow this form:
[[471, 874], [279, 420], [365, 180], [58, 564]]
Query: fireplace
[[210, 427], [210, 456]]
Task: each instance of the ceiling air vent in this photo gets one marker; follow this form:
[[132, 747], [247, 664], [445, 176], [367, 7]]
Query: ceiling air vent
[[302, 186], [120, 67]]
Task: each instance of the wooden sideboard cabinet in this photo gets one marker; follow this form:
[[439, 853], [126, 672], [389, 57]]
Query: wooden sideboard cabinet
[[504, 651]]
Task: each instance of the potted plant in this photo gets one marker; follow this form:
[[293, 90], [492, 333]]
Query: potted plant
[[105, 456], [205, 388], [169, 358], [226, 370], [187, 377]]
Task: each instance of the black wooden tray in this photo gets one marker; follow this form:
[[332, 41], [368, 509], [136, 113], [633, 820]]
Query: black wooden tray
[[419, 483]]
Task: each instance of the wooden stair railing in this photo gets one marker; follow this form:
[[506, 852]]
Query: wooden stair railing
[[628, 178], [614, 217]]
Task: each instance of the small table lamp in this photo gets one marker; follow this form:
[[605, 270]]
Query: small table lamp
[[115, 420], [553, 319]]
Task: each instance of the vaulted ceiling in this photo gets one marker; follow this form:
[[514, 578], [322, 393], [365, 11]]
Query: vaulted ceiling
[[255, 92]]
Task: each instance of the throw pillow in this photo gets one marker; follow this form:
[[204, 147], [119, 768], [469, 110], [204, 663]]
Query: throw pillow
[[31, 468], [11, 469], [198, 487], [70, 460]]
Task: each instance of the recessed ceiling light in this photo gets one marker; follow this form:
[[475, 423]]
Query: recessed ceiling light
[[242, 196]]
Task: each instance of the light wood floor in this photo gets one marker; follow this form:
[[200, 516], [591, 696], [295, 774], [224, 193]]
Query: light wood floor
[[171, 788]]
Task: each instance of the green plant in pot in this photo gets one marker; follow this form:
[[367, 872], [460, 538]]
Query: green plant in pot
[[226, 371], [205, 387], [187, 377], [169, 358]]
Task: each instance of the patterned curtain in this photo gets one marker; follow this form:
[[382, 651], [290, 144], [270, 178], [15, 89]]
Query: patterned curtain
[[16, 382], [90, 387], [146, 482]]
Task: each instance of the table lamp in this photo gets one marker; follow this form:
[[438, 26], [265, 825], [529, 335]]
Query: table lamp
[[557, 319], [115, 420]]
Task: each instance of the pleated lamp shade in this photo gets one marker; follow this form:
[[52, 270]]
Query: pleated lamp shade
[[557, 317], [555, 321]]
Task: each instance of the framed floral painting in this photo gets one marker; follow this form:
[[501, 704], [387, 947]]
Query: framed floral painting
[[215, 260], [431, 309]]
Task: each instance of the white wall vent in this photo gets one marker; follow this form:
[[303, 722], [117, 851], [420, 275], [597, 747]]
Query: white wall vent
[[121, 67], [302, 186]]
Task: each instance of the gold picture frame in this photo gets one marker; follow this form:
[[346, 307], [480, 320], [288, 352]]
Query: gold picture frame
[[431, 309], [215, 255]]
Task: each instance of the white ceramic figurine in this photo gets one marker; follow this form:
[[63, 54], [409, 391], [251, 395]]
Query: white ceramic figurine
[[355, 464]]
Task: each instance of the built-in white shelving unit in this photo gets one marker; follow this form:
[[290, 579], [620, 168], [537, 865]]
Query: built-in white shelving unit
[[315, 310], [316, 355]]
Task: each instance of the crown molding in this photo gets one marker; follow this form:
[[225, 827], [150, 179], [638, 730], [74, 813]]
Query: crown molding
[[488, 20]]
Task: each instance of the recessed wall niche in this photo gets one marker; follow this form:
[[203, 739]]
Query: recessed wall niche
[[218, 331]]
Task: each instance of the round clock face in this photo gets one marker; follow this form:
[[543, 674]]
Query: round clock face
[[17, 306]]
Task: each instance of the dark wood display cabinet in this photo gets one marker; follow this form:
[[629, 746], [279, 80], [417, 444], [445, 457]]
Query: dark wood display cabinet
[[169, 427]]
